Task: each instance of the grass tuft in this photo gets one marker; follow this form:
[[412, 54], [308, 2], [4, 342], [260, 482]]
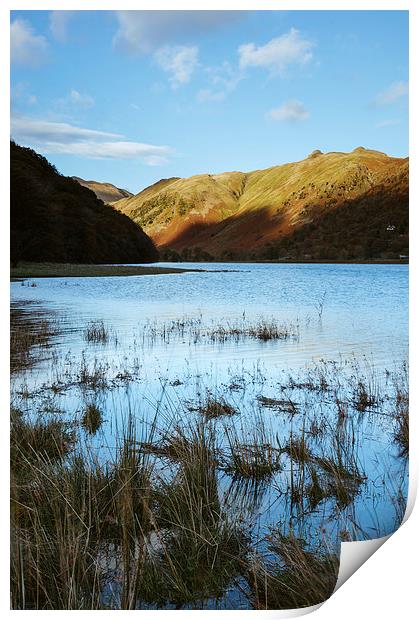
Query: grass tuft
[[96, 332], [92, 419], [299, 578]]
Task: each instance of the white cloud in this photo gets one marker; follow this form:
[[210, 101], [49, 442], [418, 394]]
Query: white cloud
[[223, 81], [85, 101], [395, 91], [152, 155], [66, 139], [276, 55], [58, 23], [29, 128], [179, 61], [292, 111], [145, 31], [26, 47], [75, 100]]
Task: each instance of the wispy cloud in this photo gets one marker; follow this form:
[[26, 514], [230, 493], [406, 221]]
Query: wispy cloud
[[179, 61], [145, 31], [58, 24], [278, 54], [390, 122], [395, 91], [223, 81], [148, 153], [27, 47], [67, 139], [25, 127], [291, 111], [20, 95], [76, 99]]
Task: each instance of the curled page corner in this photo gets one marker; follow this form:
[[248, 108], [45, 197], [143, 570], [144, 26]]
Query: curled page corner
[[355, 553]]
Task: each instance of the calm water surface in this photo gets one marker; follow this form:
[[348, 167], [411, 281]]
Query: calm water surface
[[361, 326], [365, 309]]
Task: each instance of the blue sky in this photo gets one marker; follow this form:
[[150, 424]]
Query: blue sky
[[133, 97]]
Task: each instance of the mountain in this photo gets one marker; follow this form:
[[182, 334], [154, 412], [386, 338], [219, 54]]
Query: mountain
[[327, 206], [55, 219], [105, 191]]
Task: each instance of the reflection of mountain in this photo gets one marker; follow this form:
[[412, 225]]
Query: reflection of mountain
[[54, 218], [105, 191], [333, 205]]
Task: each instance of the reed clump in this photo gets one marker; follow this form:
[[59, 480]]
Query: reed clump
[[401, 434], [263, 329], [199, 550], [92, 419], [42, 440], [195, 331], [297, 449], [401, 410], [213, 408], [256, 456], [281, 405], [94, 376], [363, 398], [31, 333], [299, 577], [181, 444], [65, 512], [335, 480], [96, 332]]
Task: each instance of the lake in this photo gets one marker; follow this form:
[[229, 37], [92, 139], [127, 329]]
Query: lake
[[269, 352]]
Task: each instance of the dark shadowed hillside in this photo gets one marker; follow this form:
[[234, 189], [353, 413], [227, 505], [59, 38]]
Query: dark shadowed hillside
[[54, 218]]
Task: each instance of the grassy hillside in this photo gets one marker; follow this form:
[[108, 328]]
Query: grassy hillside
[[331, 205], [55, 219], [105, 191]]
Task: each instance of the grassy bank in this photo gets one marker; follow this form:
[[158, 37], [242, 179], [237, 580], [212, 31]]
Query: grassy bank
[[70, 270]]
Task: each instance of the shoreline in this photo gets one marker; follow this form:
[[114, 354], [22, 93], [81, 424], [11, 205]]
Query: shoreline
[[75, 270]]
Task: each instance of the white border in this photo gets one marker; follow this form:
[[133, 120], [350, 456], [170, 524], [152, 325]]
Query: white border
[[386, 587]]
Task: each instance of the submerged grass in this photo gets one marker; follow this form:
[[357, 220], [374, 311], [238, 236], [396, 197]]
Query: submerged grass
[[200, 548], [280, 405], [96, 332], [401, 434], [194, 331], [92, 419], [401, 415], [261, 329], [299, 578], [213, 408], [64, 513], [255, 454], [319, 477], [46, 440], [31, 332]]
